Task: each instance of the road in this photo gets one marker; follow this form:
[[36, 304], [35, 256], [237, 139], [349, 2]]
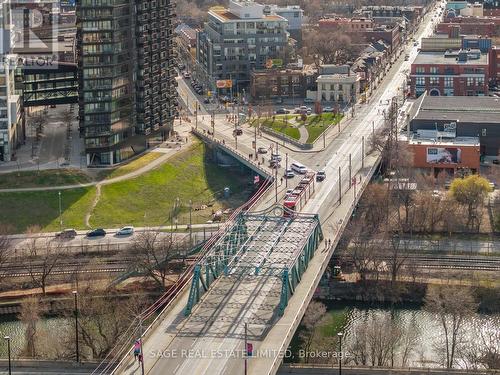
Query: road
[[211, 341]]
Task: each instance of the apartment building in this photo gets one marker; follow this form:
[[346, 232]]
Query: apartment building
[[126, 76], [237, 40], [450, 73]]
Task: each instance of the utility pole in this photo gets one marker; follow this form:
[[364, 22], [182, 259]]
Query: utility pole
[[212, 120], [141, 343], [246, 349], [196, 117], [7, 338], [60, 212], [350, 167], [190, 222], [286, 169], [362, 151], [340, 187], [324, 138], [276, 183], [340, 334], [77, 349]]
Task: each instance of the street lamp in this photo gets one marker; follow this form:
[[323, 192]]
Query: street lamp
[[8, 353], [60, 212], [340, 334], [75, 294]]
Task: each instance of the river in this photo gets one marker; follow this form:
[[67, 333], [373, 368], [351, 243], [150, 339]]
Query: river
[[411, 322], [350, 318]]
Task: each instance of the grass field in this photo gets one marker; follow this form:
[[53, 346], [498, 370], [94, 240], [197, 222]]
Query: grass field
[[145, 200], [150, 198], [49, 177], [279, 125], [24, 209], [131, 166], [317, 124]]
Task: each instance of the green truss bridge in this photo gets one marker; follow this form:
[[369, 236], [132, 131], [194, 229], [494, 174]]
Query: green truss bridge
[[258, 261]]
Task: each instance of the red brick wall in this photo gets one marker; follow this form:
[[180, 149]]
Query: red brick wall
[[469, 157]]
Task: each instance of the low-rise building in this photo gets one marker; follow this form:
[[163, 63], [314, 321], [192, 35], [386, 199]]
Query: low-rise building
[[338, 84], [281, 83], [449, 133], [452, 73]]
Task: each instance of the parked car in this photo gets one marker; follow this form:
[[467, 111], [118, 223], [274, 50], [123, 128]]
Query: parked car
[[206, 100], [182, 67], [262, 150], [309, 111], [186, 75], [328, 109], [125, 231], [308, 100], [282, 111], [99, 232], [289, 173], [66, 234], [320, 176], [296, 110]]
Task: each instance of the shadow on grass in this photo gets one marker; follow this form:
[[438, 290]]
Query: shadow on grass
[[21, 210]]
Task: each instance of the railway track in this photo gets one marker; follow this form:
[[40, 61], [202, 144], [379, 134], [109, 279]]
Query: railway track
[[479, 263], [70, 267]]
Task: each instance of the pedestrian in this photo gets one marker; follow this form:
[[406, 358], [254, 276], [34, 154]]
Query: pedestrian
[[140, 358], [137, 349], [281, 181]]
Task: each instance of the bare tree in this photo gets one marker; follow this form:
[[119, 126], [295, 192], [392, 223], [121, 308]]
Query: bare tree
[[452, 305], [30, 316], [314, 313], [330, 47], [484, 351], [42, 258], [103, 318], [153, 255]]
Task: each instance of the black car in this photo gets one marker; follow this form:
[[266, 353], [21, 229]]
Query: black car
[[320, 176], [206, 100], [99, 232]]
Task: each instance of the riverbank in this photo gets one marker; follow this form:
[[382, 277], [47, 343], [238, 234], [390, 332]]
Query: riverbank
[[385, 291]]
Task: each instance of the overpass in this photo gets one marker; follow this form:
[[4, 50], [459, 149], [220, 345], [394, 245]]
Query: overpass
[[198, 334]]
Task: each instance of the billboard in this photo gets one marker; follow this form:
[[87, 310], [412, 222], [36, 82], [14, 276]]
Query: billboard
[[444, 155], [274, 63], [224, 84]]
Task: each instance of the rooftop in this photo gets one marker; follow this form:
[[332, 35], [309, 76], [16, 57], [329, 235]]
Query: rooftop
[[440, 58], [475, 109], [225, 15], [458, 141]]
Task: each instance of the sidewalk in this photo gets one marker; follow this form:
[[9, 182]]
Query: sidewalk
[[167, 153]]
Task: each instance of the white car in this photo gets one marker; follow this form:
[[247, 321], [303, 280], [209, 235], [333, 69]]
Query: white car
[[125, 231]]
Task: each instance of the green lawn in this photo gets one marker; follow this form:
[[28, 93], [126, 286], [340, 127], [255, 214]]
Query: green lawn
[[50, 177], [145, 200], [23, 209], [317, 124], [130, 167], [281, 126], [149, 199]]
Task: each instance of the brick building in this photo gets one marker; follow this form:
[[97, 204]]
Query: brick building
[[281, 83], [495, 64], [449, 133], [455, 73]]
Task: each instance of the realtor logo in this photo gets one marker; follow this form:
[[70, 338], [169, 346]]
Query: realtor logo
[[30, 30]]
